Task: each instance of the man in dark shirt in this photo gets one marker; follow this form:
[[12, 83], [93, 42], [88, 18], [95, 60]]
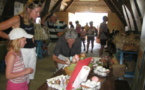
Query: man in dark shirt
[[68, 45]]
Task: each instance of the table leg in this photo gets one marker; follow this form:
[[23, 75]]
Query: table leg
[[121, 57]]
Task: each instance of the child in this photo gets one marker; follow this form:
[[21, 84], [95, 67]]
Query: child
[[83, 36], [16, 73]]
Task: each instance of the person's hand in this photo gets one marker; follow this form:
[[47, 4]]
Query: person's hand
[[60, 33], [29, 70], [67, 61]]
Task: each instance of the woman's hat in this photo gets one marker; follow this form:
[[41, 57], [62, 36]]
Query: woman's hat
[[71, 34], [17, 33]]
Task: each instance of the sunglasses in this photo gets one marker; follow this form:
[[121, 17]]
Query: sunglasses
[[35, 2]]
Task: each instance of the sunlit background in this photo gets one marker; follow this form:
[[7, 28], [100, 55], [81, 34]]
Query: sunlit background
[[84, 18]]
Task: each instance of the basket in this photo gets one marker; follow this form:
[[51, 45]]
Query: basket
[[119, 70], [67, 71], [127, 47], [119, 45]]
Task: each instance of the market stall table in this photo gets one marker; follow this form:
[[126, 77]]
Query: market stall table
[[108, 82]]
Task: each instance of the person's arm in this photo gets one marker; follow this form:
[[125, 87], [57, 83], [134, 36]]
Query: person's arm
[[96, 31], [100, 30], [55, 58], [12, 22], [10, 60]]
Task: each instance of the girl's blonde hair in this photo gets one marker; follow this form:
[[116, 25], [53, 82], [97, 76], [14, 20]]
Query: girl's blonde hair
[[15, 45], [31, 5]]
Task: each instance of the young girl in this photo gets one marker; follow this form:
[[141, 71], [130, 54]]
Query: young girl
[[16, 73]]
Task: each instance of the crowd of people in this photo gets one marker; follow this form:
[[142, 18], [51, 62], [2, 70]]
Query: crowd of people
[[65, 42], [89, 33]]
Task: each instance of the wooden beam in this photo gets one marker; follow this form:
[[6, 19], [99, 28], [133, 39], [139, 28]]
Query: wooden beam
[[46, 8], [110, 6], [56, 6], [122, 19], [8, 9], [21, 1], [128, 5], [139, 13], [118, 4], [127, 16], [69, 4]]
